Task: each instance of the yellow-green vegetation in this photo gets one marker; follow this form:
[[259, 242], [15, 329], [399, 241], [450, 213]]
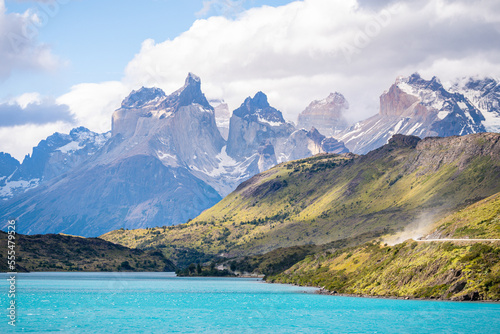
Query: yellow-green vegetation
[[478, 221], [465, 271], [56, 252], [331, 197], [460, 270]]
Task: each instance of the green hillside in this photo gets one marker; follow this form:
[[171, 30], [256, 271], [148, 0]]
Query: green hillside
[[478, 221], [465, 271], [332, 197], [56, 252], [460, 270]]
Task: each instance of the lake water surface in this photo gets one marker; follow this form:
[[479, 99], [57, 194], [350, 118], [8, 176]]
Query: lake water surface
[[163, 303]]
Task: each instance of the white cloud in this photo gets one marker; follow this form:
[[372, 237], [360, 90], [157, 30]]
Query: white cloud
[[93, 104], [26, 98], [27, 119], [304, 50], [19, 48], [19, 140]]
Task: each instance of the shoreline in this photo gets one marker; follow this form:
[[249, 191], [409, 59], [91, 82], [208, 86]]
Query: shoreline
[[324, 292]]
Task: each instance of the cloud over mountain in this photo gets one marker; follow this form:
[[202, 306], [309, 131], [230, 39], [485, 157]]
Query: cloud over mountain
[[306, 49], [302, 51], [13, 114]]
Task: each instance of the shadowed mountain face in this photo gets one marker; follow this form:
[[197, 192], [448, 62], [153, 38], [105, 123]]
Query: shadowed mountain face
[[138, 191], [54, 156]]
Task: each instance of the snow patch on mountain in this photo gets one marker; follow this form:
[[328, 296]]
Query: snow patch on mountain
[[415, 106], [11, 188], [53, 156], [271, 123], [484, 94]]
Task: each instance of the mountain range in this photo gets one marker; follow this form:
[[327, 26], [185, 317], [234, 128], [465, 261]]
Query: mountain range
[[327, 198], [169, 157], [163, 163], [424, 108]]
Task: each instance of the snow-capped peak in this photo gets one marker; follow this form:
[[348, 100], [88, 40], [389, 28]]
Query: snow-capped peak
[[258, 109], [143, 96], [484, 94]]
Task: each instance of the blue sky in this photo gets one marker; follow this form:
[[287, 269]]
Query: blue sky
[[96, 39], [73, 66]]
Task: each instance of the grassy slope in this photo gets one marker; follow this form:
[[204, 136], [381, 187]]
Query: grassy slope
[[330, 197], [480, 220], [55, 252], [458, 270], [420, 270], [281, 259]]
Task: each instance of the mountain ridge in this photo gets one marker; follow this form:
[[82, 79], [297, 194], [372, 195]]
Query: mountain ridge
[[163, 163], [330, 197], [414, 106]]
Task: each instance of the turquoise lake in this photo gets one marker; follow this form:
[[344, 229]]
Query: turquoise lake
[[163, 303]]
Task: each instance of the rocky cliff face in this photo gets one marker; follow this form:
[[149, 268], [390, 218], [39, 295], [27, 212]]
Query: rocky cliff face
[[222, 116], [253, 124], [259, 132], [302, 144], [327, 115], [8, 165], [414, 106]]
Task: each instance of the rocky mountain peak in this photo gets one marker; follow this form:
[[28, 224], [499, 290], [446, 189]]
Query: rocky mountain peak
[[258, 109], [338, 99], [143, 108], [315, 135], [81, 133], [326, 115], [253, 124], [418, 82], [484, 94], [413, 95], [423, 108], [143, 96], [190, 93], [8, 165], [487, 85], [259, 101], [192, 79], [398, 99]]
